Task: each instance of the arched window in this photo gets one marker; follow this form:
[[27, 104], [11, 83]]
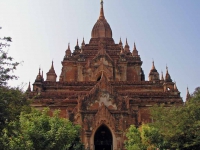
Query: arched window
[[99, 78]]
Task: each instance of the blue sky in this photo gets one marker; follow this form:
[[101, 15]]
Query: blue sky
[[166, 31]]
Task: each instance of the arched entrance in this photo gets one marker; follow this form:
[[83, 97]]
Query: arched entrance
[[103, 139]]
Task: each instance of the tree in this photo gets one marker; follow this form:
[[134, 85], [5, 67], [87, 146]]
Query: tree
[[12, 102], [175, 127], [179, 125], [134, 140], [7, 66], [38, 131], [142, 138]]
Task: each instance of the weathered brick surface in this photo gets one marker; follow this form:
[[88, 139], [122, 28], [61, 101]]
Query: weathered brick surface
[[102, 83]]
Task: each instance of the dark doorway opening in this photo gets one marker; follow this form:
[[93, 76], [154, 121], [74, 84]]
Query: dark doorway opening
[[99, 78], [103, 139]]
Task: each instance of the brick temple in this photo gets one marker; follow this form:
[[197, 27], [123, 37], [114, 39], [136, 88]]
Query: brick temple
[[102, 87]]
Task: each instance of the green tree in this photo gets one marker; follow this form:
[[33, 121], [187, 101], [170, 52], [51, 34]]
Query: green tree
[[176, 127], [12, 102], [142, 138], [38, 131], [179, 125], [134, 140], [7, 66], [151, 137], [146, 137]]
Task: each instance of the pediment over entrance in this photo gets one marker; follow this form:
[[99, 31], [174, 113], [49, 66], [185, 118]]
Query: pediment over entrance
[[105, 98], [103, 92], [103, 116]]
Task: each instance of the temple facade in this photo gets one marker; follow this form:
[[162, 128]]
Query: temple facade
[[102, 87]]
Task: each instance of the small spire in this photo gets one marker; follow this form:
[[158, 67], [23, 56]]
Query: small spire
[[167, 76], [83, 43], [68, 46], [167, 70], [101, 11], [187, 95], [153, 66], [134, 47], [77, 42], [126, 42], [153, 75], [51, 75], [120, 41], [126, 47], [52, 67], [39, 77], [135, 52], [29, 88], [39, 72], [68, 51], [51, 70]]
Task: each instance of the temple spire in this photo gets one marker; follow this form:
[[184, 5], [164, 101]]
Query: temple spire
[[120, 41], [51, 75], [167, 76], [135, 52], [101, 11], [68, 51], [29, 88], [126, 41], [187, 95], [52, 67], [153, 66], [153, 75], [167, 70], [39, 72], [77, 42], [39, 77], [134, 46], [83, 42], [68, 46], [127, 47]]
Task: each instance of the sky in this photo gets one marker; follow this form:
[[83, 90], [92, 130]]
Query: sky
[[166, 31]]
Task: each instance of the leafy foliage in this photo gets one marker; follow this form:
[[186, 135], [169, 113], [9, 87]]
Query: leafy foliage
[[134, 139], [12, 102], [176, 127], [179, 126], [7, 66], [38, 131]]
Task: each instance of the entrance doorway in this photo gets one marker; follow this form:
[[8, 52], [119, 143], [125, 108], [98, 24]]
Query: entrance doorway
[[103, 139]]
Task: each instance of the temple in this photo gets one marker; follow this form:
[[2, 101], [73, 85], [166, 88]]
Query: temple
[[102, 87]]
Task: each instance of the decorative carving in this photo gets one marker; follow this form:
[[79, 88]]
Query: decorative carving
[[103, 116]]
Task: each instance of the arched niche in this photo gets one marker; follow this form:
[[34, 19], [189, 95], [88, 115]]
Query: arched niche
[[103, 139], [99, 78]]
